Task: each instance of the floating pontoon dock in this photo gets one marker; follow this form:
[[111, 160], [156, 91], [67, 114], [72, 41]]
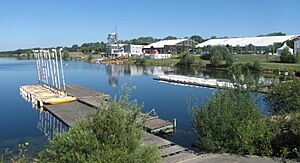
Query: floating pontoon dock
[[204, 82], [86, 102]]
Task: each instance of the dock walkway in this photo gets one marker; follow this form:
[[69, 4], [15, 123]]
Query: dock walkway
[[86, 102]]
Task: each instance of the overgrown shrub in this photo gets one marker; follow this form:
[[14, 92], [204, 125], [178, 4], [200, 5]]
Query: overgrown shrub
[[298, 57], [109, 135], [256, 65], [284, 97], [287, 57], [140, 61], [90, 57], [230, 122], [229, 59], [223, 50], [216, 59], [286, 143], [186, 60]]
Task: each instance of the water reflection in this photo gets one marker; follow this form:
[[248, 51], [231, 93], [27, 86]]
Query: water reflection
[[115, 71], [47, 123]]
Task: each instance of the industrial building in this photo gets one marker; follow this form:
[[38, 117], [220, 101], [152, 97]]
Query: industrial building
[[168, 46], [257, 45]]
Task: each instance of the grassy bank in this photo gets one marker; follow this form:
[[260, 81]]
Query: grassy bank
[[272, 65]]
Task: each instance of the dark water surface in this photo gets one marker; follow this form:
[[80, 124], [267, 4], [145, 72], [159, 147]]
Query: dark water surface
[[19, 121]]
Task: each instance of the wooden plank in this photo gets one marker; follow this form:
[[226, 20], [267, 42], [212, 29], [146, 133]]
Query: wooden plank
[[182, 156], [153, 139], [69, 113], [79, 91], [156, 123], [171, 150], [87, 96]]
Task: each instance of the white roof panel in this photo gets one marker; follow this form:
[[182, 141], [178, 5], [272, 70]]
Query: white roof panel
[[256, 41], [162, 43]]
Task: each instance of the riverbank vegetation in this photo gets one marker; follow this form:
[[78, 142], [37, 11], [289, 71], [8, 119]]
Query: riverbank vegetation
[[231, 122], [110, 134]]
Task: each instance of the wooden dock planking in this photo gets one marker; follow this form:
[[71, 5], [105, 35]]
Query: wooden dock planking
[[158, 141], [182, 156], [156, 124], [79, 91], [93, 98], [87, 96], [69, 113], [88, 100], [171, 150]]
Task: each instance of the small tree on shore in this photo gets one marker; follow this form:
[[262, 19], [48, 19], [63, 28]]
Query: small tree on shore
[[284, 97], [186, 60], [109, 135], [230, 122], [287, 57], [216, 59], [229, 59]]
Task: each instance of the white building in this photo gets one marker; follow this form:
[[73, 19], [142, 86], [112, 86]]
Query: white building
[[168, 46], [133, 50], [256, 44], [159, 56], [297, 46], [115, 49], [279, 50]]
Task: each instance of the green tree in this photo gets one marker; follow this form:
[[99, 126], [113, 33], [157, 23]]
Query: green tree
[[170, 38], [216, 59], [273, 34], [109, 135], [90, 57], [298, 57], [256, 65], [140, 61], [284, 97], [213, 37], [197, 38], [229, 60], [287, 57], [223, 50], [186, 59], [229, 122]]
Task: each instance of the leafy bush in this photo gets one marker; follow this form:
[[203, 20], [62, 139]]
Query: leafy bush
[[230, 122], [186, 60], [256, 65], [287, 57], [286, 144], [229, 59], [109, 135], [140, 61], [90, 57], [216, 59], [284, 97], [223, 50], [298, 57]]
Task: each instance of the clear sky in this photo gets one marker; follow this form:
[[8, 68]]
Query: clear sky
[[45, 23]]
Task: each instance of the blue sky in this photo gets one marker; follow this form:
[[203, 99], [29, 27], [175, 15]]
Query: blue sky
[[44, 23]]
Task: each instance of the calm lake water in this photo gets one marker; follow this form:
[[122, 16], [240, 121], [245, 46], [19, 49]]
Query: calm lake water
[[19, 120]]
